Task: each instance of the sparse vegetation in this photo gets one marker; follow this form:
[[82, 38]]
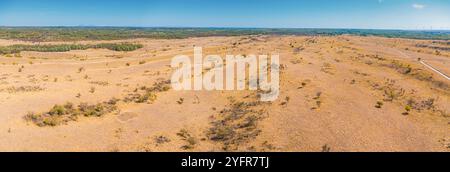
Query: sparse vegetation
[[148, 94], [285, 101], [318, 101], [308, 93], [236, 124], [417, 73], [92, 90], [327, 68], [81, 69], [22, 89], [401, 67], [391, 90], [407, 110], [180, 101], [159, 140], [61, 114], [101, 83], [326, 148], [379, 104], [427, 104], [188, 138]]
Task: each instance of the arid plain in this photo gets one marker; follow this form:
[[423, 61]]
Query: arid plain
[[338, 93]]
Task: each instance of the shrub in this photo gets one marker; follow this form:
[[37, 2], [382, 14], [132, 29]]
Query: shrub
[[190, 140], [407, 110], [92, 90], [379, 104], [161, 140]]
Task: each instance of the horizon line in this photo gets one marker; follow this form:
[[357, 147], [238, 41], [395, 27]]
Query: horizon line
[[214, 27]]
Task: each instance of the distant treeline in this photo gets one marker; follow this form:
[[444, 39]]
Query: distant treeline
[[67, 47], [38, 34]]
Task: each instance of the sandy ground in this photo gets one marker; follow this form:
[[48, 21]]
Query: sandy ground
[[329, 89]]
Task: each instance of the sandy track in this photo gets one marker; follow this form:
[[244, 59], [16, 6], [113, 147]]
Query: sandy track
[[435, 70]]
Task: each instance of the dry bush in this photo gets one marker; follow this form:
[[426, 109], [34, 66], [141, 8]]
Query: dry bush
[[161, 140], [188, 138], [379, 104], [428, 104]]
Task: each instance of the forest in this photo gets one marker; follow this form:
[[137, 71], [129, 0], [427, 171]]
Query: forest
[[68, 47], [45, 34]]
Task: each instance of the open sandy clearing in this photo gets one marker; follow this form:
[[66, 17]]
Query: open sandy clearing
[[342, 93]]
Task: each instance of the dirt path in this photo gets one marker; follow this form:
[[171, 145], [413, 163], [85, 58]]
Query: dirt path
[[427, 65], [435, 70]]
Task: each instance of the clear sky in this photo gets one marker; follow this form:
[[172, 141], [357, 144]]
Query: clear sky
[[375, 14]]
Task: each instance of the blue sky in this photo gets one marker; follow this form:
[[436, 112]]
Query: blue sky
[[375, 14]]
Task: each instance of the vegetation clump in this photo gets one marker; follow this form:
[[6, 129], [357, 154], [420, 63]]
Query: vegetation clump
[[407, 110], [161, 140], [401, 67], [236, 124], [15, 49], [188, 138], [23, 89], [62, 114], [148, 94], [379, 104], [391, 90]]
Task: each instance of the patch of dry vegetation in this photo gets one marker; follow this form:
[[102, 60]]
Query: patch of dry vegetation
[[236, 124], [188, 138], [394, 93], [101, 83], [416, 73], [327, 68], [23, 89], [148, 94], [62, 114], [318, 101], [159, 140]]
